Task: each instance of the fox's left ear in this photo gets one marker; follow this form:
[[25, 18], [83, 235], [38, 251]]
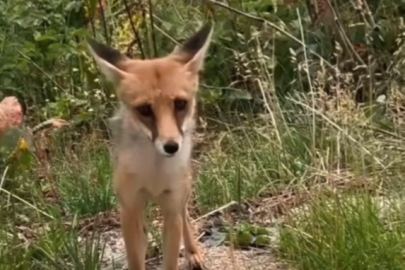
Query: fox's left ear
[[192, 52]]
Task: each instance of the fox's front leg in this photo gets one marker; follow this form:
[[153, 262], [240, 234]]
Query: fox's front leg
[[192, 251], [134, 237], [132, 220], [170, 204], [172, 230]]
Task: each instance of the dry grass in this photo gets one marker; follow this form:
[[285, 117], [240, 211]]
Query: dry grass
[[294, 150]]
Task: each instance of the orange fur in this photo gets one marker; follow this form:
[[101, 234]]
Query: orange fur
[[152, 143]]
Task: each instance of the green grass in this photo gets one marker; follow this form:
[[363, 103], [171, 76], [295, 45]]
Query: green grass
[[291, 136], [247, 158], [84, 181], [55, 246], [345, 232]]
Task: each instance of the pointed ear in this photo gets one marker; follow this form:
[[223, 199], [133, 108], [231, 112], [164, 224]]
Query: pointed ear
[[107, 59], [192, 52]]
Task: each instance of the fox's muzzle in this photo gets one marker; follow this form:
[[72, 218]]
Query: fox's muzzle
[[168, 147]]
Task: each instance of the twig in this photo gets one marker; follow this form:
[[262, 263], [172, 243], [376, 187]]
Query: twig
[[152, 25], [370, 15], [214, 211], [340, 129], [90, 18], [361, 13], [310, 10], [43, 71], [272, 25], [27, 203], [341, 32], [45, 124], [166, 34], [100, 4], [121, 11], [311, 89], [3, 177], [137, 37], [145, 26]]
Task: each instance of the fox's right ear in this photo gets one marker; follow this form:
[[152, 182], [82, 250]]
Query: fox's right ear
[[107, 59]]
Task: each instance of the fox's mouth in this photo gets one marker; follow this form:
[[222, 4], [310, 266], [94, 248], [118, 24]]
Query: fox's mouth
[[169, 155]]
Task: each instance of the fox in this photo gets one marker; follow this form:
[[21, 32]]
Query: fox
[[151, 135]]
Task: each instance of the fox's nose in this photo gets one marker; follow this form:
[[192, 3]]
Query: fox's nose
[[171, 147]]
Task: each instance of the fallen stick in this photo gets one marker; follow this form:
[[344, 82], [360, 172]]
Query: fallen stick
[[214, 211]]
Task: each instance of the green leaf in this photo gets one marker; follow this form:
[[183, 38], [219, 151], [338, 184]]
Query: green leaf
[[243, 238], [73, 6], [9, 141], [262, 240], [92, 4], [50, 36]]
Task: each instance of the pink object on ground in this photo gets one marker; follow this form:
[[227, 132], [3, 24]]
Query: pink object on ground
[[10, 114]]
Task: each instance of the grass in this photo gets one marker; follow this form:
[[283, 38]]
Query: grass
[[345, 232], [84, 181], [245, 160], [248, 157], [306, 141]]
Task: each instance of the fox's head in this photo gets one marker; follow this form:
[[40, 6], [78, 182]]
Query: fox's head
[[159, 93]]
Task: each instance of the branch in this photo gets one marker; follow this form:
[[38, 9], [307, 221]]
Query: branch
[[138, 39], [100, 3], [57, 123], [152, 25], [272, 25]]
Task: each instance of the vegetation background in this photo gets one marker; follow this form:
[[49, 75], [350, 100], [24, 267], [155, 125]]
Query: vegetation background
[[301, 105]]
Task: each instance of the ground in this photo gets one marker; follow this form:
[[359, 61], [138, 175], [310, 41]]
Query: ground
[[217, 255]]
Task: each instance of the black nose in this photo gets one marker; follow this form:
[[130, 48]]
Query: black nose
[[171, 147]]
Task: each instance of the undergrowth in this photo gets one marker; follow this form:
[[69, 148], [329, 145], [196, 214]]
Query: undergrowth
[[287, 103], [345, 232]]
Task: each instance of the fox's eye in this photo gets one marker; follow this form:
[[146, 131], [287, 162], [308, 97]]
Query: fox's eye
[[180, 104], [145, 110]]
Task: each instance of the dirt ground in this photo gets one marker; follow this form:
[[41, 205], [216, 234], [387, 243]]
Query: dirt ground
[[219, 256]]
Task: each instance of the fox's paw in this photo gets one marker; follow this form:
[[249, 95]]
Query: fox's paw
[[195, 261]]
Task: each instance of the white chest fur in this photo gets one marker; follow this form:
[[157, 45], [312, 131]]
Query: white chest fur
[[151, 170]]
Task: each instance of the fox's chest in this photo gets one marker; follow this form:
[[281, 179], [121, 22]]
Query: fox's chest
[[153, 172]]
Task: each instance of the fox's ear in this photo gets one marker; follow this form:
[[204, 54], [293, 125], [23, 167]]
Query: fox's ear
[[107, 59], [192, 52]]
